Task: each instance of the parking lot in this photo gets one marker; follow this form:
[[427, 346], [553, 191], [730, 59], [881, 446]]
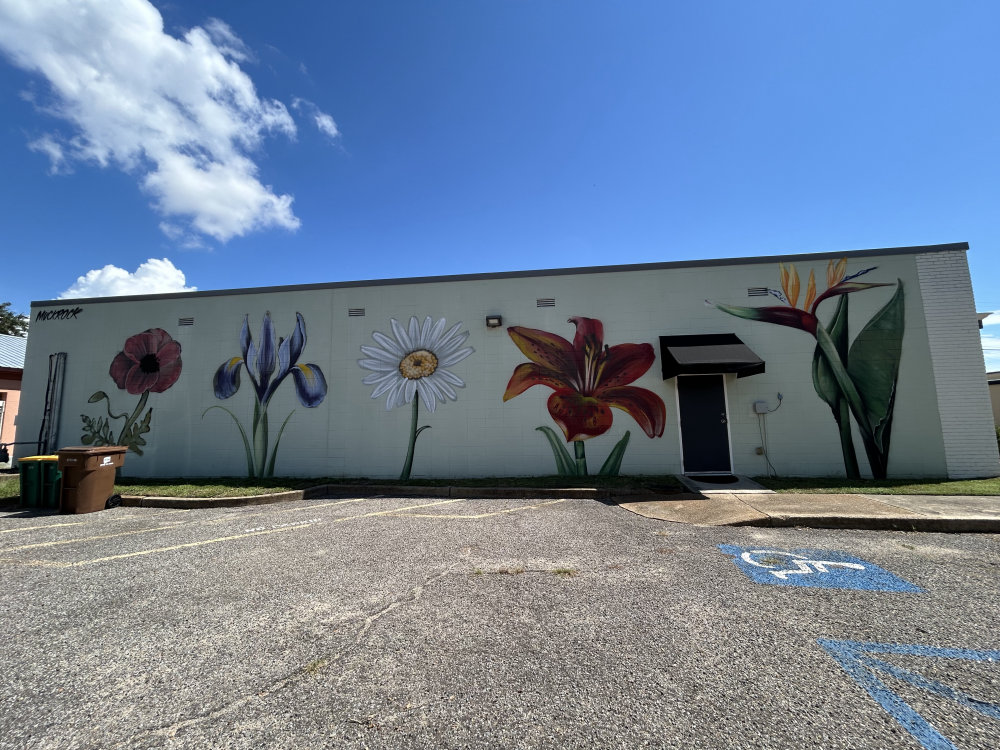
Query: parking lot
[[419, 622]]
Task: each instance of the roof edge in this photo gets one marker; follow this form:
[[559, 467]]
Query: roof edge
[[707, 263]]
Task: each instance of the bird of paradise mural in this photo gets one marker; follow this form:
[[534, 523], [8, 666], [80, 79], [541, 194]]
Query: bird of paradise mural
[[854, 378], [267, 364], [588, 379]]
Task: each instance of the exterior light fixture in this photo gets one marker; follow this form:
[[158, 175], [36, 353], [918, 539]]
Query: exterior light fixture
[[494, 321]]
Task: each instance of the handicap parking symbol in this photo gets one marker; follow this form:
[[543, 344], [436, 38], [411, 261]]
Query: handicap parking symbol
[[813, 568]]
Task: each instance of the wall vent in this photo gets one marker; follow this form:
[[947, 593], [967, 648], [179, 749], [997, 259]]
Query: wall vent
[[185, 321], [355, 312], [545, 302], [757, 291]]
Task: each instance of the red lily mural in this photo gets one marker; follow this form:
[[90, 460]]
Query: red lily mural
[[588, 379], [856, 379]]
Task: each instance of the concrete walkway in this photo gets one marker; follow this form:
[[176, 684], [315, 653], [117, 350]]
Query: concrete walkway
[[900, 512]]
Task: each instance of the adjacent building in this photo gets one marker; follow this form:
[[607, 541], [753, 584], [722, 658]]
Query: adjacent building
[[859, 363], [993, 379], [11, 372]]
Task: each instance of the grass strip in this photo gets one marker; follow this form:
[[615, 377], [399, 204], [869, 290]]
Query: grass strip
[[241, 486], [10, 486], [843, 486], [235, 486]]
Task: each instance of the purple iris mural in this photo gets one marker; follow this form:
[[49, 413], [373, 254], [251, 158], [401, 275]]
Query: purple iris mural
[[149, 362], [268, 362]]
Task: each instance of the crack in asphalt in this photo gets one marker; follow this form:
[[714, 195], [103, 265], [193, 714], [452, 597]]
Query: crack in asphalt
[[412, 595]]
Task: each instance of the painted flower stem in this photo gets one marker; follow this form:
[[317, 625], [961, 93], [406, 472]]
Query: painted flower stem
[[260, 438], [580, 450], [132, 417], [414, 434], [843, 416]]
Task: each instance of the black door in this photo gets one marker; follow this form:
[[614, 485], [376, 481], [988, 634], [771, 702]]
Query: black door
[[704, 432]]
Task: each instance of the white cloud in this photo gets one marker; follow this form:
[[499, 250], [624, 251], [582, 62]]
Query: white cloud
[[177, 112], [324, 122], [155, 276], [227, 42], [991, 341], [51, 148], [991, 350]]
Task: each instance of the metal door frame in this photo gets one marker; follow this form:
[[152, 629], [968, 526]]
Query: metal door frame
[[680, 428]]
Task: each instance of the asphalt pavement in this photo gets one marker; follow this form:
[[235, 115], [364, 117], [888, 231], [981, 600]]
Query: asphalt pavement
[[387, 622]]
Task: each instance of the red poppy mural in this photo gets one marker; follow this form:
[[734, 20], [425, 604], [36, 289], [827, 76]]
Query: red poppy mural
[[588, 379], [149, 362], [854, 378]]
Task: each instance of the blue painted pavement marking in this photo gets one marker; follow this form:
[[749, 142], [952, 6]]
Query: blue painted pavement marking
[[825, 569], [858, 661]]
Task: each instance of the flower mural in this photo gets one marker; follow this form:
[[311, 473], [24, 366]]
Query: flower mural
[[411, 366], [267, 363], [588, 379], [149, 362], [854, 378]]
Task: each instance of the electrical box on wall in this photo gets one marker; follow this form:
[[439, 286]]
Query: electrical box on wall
[[760, 407]]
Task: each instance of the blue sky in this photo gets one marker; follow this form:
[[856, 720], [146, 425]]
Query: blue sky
[[256, 143]]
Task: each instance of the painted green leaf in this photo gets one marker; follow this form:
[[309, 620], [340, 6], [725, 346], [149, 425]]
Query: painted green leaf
[[825, 383], [243, 435], [565, 466], [96, 431], [613, 464], [269, 472], [823, 380], [873, 364], [133, 438]]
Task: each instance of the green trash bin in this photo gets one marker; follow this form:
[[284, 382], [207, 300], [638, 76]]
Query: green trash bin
[[40, 481]]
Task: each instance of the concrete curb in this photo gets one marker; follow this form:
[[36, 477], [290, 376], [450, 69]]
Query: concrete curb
[[723, 516], [391, 490], [869, 523], [190, 503]]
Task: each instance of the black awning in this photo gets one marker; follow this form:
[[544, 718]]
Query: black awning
[[705, 353]]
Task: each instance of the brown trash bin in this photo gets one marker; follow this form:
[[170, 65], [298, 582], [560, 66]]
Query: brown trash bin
[[88, 476]]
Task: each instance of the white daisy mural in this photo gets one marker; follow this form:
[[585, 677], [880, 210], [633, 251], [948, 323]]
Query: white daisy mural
[[412, 366]]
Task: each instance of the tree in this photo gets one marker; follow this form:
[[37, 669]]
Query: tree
[[12, 323]]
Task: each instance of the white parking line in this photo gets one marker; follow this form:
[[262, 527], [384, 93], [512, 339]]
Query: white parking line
[[233, 537], [44, 526], [85, 539]]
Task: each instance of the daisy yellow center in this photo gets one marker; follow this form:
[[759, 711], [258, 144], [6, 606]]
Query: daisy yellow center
[[418, 364]]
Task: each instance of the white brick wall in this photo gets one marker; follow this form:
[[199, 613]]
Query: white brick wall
[[957, 364]]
